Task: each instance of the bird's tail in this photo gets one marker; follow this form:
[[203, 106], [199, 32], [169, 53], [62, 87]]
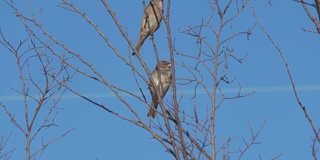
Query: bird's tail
[[137, 49], [152, 111], [141, 40]]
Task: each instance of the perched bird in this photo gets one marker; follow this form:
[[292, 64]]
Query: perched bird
[[163, 70], [151, 20]]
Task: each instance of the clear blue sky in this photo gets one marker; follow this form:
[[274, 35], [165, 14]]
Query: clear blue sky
[[101, 135]]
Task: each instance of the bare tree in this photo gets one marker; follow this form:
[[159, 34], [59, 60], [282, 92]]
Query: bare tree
[[309, 7], [40, 93], [185, 132], [315, 129], [4, 154], [212, 60]]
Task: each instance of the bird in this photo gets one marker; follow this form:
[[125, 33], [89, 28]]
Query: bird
[[151, 20], [163, 70]]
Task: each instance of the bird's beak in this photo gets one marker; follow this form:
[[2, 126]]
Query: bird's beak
[[169, 65]]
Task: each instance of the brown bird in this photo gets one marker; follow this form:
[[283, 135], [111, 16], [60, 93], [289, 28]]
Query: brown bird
[[163, 70], [151, 20]]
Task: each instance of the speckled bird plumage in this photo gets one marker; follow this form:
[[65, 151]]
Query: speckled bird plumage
[[151, 20], [163, 70]]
